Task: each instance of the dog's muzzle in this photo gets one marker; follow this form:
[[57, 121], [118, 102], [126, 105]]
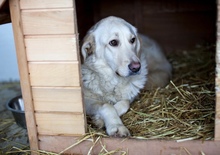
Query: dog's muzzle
[[134, 67]]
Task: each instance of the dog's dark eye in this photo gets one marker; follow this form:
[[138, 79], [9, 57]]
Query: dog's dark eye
[[113, 43], [132, 40]]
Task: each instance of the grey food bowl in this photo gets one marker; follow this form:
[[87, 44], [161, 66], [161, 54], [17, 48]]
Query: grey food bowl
[[16, 106]]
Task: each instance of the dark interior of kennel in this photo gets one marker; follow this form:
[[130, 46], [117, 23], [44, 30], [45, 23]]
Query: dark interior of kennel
[[175, 24]]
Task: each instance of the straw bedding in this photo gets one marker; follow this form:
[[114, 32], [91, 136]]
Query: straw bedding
[[185, 109]]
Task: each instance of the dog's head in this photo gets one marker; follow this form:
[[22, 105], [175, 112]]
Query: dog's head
[[116, 42]]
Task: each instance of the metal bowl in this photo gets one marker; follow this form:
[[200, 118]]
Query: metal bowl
[[16, 106]]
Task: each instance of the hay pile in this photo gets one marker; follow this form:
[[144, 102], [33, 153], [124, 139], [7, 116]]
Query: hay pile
[[185, 109]]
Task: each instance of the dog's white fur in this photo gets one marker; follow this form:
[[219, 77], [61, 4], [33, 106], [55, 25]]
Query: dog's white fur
[[109, 83]]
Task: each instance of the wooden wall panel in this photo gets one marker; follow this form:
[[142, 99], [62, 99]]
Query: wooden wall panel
[[57, 99], [54, 74], [48, 21], [47, 46], [36, 4], [51, 48], [60, 124]]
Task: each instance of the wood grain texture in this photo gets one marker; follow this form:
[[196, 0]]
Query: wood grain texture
[[52, 74], [65, 124], [23, 71], [36, 4], [51, 48], [48, 21], [57, 99]]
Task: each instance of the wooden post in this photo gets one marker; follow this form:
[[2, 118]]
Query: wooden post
[[217, 115], [24, 73]]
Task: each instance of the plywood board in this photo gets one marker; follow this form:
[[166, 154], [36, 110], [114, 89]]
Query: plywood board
[[54, 74], [60, 124], [57, 99], [51, 48], [48, 21], [36, 4]]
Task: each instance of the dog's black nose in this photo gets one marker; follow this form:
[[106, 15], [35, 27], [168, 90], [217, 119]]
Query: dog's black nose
[[134, 66]]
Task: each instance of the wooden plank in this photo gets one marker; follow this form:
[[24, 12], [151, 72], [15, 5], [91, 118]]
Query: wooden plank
[[51, 48], [57, 99], [217, 83], [130, 146], [54, 74], [37, 4], [48, 21], [60, 124], [23, 71]]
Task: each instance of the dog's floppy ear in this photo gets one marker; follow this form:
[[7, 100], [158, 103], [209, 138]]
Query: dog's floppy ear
[[88, 46]]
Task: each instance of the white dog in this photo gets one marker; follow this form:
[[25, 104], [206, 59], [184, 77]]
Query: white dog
[[118, 62]]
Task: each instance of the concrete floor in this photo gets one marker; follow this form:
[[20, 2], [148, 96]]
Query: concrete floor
[[12, 136]]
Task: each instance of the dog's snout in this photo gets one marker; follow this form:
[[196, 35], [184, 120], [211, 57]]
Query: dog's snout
[[134, 66]]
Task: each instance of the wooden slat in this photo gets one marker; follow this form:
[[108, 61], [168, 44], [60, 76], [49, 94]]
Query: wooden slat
[[57, 99], [51, 48], [36, 4], [48, 21], [24, 77], [54, 74], [60, 124]]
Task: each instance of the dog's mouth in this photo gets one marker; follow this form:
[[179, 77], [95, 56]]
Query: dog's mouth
[[130, 73], [134, 73]]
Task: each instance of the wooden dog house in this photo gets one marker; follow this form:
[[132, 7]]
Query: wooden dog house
[[46, 38]]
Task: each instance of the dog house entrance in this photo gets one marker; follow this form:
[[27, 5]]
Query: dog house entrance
[[185, 109]]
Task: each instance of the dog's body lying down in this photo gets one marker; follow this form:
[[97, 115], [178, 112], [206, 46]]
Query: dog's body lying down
[[118, 62]]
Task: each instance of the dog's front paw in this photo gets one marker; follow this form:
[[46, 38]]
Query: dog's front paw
[[117, 130]]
